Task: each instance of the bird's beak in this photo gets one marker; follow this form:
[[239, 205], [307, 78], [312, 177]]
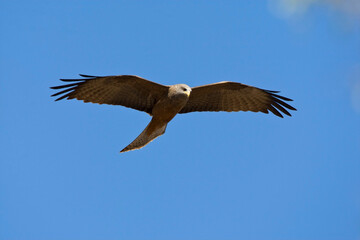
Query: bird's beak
[[188, 92]]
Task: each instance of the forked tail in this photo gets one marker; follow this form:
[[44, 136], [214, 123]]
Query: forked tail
[[153, 130]]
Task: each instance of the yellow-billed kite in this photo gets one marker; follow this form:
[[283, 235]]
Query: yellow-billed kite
[[164, 102]]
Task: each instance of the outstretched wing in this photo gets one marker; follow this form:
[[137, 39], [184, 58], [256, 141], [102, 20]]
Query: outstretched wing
[[232, 96], [125, 90]]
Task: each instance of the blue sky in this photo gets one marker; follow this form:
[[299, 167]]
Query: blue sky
[[212, 175]]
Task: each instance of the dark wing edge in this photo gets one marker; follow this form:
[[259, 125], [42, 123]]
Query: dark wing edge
[[69, 88], [277, 104]]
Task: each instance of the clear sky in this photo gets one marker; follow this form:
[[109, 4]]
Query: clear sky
[[212, 175]]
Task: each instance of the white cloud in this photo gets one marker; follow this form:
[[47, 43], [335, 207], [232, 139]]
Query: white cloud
[[294, 8], [347, 10], [355, 88]]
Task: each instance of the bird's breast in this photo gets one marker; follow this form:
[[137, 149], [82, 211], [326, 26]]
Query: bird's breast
[[166, 109]]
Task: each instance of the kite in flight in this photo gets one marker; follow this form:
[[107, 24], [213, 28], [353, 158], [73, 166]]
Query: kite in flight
[[164, 102]]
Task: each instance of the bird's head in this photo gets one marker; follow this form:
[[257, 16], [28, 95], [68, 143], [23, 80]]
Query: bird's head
[[180, 90]]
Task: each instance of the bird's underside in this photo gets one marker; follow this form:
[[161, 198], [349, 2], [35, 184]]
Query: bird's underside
[[164, 102]]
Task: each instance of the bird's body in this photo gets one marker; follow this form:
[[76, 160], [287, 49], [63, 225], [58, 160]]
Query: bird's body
[[163, 112], [172, 103], [164, 102]]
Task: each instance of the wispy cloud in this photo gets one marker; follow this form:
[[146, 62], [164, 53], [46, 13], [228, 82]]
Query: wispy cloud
[[350, 9], [347, 11], [355, 88]]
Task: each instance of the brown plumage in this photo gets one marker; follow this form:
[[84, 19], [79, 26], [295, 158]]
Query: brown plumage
[[164, 102]]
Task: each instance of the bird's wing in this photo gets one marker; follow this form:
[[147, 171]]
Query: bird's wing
[[232, 96], [125, 90]]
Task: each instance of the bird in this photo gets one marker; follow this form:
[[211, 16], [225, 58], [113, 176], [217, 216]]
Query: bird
[[163, 102]]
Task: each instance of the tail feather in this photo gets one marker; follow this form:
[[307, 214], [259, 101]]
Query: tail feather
[[153, 130]]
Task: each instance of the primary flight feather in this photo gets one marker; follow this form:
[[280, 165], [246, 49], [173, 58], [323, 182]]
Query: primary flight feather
[[164, 102]]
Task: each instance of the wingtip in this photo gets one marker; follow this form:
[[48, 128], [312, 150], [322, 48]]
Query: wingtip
[[87, 76], [272, 91], [289, 114], [62, 97]]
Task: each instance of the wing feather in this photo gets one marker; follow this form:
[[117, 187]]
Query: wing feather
[[232, 96], [125, 90]]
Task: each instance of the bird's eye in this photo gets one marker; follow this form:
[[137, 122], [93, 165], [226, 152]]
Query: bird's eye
[[184, 89]]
